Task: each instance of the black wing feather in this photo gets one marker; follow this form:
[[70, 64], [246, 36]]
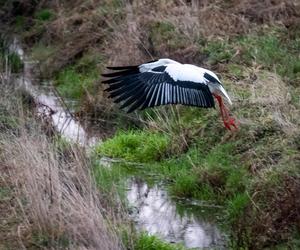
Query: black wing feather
[[154, 88], [136, 67]]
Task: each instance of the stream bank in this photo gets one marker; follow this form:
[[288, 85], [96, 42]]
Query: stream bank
[[152, 210], [254, 173]]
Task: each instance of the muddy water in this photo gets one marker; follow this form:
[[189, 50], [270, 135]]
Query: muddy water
[[151, 208]]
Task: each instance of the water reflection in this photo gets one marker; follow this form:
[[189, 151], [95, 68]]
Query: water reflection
[[50, 105], [156, 213]]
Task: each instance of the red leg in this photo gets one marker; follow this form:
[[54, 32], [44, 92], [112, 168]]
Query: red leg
[[227, 119]]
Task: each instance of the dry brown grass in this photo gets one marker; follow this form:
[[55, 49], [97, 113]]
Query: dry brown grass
[[275, 207], [120, 28], [9, 219], [262, 105], [57, 197], [130, 42], [54, 201], [121, 31]]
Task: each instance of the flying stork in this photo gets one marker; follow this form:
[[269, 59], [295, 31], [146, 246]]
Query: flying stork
[[166, 81]]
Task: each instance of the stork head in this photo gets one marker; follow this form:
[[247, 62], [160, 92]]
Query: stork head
[[221, 91]]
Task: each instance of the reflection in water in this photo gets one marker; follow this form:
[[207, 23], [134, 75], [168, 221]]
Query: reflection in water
[[156, 213]]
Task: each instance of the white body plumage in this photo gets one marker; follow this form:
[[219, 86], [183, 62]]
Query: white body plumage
[[187, 72]]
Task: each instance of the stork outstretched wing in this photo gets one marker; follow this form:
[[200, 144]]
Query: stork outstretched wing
[[159, 83]]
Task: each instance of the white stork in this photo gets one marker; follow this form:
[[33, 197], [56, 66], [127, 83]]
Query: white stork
[[166, 81]]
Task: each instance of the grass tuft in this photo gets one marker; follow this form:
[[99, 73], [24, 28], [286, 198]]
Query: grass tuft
[[44, 15], [236, 206], [165, 33], [136, 146], [72, 84], [15, 62], [147, 242], [56, 202]]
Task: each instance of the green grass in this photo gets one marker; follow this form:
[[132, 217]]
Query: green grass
[[147, 242], [41, 240], [213, 175], [44, 15], [111, 180], [112, 10], [90, 61], [15, 62], [272, 52], [72, 84], [136, 146], [9, 58], [217, 52], [5, 193], [236, 206], [75, 80], [41, 52], [223, 171], [268, 48], [166, 34], [7, 120], [236, 70], [20, 22], [202, 173]]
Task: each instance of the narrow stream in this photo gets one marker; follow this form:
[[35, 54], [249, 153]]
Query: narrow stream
[[155, 212], [152, 209], [49, 103]]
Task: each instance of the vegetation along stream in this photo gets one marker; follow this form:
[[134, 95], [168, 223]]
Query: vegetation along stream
[[176, 221], [77, 172]]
